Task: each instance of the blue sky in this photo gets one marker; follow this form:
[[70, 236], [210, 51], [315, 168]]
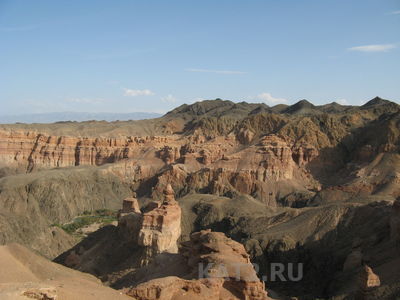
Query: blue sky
[[126, 56]]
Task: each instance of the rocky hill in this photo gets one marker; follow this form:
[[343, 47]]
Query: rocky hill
[[300, 183]]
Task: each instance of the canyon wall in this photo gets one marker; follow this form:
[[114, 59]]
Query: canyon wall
[[220, 165], [31, 150]]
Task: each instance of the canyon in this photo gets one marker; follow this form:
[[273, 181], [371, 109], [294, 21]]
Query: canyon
[[146, 262], [250, 183]]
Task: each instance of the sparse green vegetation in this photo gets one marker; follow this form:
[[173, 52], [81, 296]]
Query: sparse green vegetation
[[102, 216]]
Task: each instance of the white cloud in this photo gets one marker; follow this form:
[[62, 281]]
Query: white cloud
[[269, 99], [373, 48], [342, 101], [396, 12], [169, 99], [135, 93], [230, 72]]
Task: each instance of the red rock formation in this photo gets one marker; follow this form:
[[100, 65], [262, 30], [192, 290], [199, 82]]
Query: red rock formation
[[169, 154], [130, 205], [228, 273], [304, 154], [157, 229], [245, 170], [161, 227], [30, 150], [252, 170], [219, 165], [174, 288]]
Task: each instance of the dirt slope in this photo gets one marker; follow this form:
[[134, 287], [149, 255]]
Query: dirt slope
[[26, 275]]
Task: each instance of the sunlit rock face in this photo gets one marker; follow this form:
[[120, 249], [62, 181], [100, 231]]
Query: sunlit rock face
[[156, 230], [161, 227], [366, 281], [229, 273], [30, 150]]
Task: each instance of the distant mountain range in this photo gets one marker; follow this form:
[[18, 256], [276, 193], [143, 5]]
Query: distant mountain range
[[75, 116], [205, 108]]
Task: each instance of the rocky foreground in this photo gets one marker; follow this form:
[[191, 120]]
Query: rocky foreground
[[227, 274], [306, 184]]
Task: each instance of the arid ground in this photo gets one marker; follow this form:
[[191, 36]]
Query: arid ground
[[141, 204]]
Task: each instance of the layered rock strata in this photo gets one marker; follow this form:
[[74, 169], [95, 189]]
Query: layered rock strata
[[130, 205], [158, 229], [31, 150], [161, 227], [220, 267]]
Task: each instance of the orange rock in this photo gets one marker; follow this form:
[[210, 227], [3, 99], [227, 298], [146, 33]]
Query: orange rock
[[161, 227], [228, 273], [368, 279], [31, 150], [130, 205]]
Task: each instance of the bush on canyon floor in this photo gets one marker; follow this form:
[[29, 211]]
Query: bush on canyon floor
[[100, 216]]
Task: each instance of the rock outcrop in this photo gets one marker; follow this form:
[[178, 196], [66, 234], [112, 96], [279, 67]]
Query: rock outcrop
[[161, 227], [221, 269], [141, 255], [367, 280], [157, 229], [130, 205]]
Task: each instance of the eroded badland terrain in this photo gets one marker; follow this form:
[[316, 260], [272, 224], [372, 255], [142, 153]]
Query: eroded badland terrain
[[132, 210]]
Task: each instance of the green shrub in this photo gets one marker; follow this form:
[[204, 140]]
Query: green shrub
[[102, 216]]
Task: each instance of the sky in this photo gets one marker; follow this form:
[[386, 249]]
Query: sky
[[151, 56]]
